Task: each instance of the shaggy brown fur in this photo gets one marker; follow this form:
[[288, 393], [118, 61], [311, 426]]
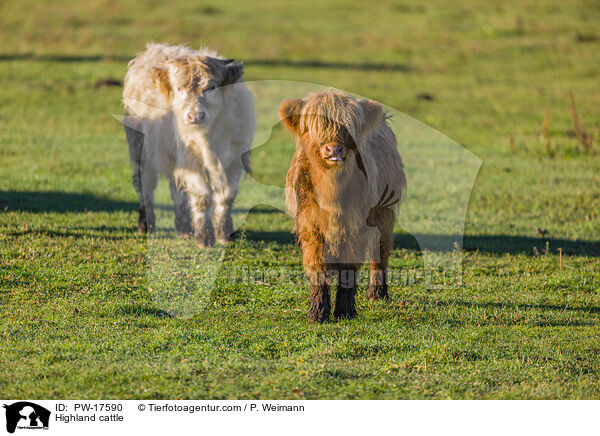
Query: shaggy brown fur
[[343, 187]]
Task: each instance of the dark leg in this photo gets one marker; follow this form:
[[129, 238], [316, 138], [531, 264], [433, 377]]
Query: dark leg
[[142, 223], [183, 223], [378, 288], [136, 144], [149, 181], [345, 306]]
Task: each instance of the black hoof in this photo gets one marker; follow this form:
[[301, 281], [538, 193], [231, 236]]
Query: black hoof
[[345, 306], [344, 315]]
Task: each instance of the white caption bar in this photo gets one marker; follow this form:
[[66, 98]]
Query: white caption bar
[[153, 417]]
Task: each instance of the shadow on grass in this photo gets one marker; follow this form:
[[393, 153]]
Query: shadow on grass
[[280, 237], [59, 201], [502, 244], [360, 66], [7, 57], [104, 233], [492, 244], [260, 209]]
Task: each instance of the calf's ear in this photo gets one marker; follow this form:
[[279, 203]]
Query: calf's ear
[[373, 113], [233, 72], [289, 113], [160, 77]]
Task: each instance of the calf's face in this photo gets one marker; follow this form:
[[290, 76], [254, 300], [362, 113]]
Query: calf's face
[[194, 87], [325, 139], [333, 150]]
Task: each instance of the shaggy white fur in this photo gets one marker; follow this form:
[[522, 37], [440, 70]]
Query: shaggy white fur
[[190, 117]]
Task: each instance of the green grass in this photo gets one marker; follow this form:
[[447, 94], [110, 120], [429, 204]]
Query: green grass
[[79, 319]]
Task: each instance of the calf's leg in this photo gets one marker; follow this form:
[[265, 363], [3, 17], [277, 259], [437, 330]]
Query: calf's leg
[[345, 306], [225, 188], [199, 196], [320, 300], [201, 213], [183, 223], [149, 179], [378, 288], [223, 219], [136, 145]]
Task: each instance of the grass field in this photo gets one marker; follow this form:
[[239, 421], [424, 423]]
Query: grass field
[[78, 318]]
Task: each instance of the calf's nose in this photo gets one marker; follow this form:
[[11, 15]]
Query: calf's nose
[[196, 117], [333, 149]]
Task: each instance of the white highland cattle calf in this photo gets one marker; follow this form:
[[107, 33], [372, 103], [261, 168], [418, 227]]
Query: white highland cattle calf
[[190, 117]]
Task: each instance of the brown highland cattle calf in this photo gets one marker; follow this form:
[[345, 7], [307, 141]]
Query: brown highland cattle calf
[[343, 188]]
